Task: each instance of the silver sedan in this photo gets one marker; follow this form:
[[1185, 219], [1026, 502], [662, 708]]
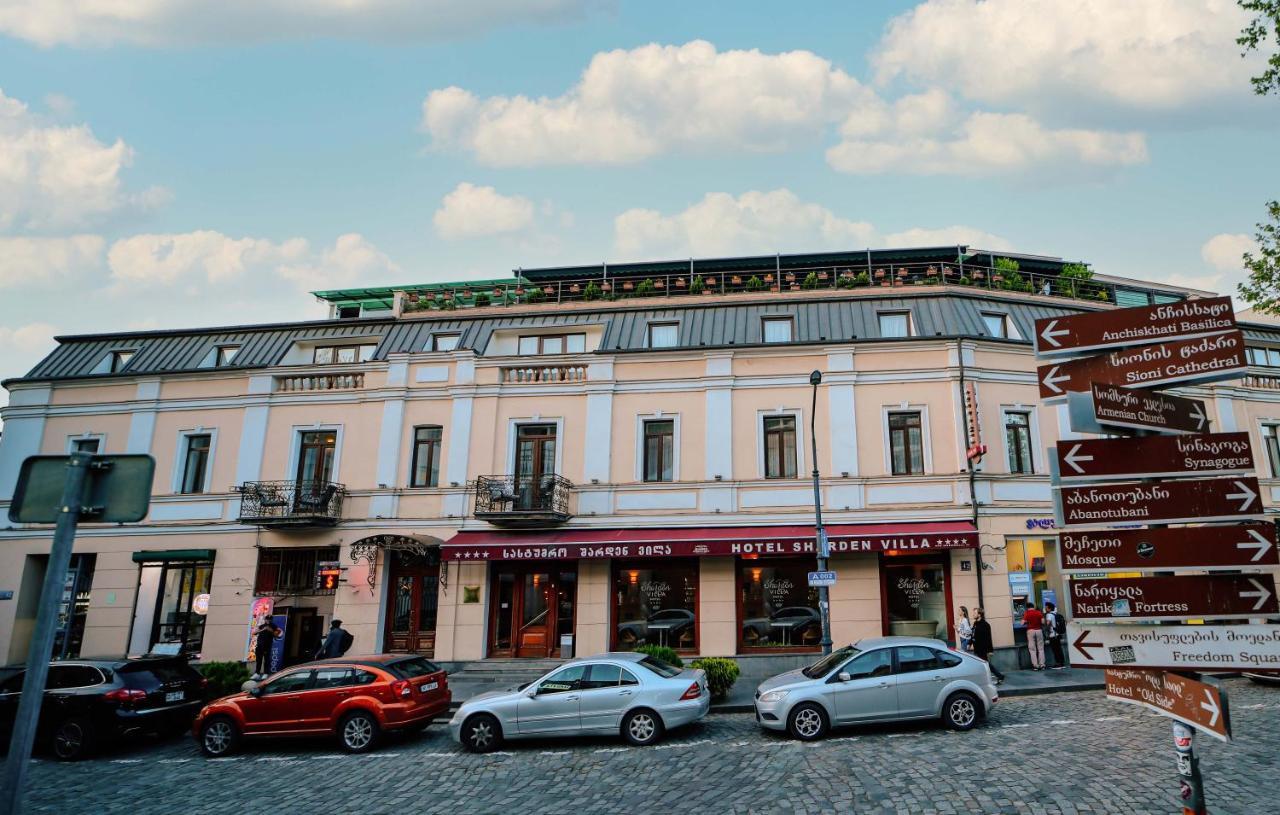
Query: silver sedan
[[880, 679], [630, 694]]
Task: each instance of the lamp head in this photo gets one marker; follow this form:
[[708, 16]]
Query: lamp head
[[815, 377]]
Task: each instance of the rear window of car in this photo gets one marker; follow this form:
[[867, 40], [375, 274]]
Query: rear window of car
[[413, 667], [948, 660], [659, 667], [148, 672]]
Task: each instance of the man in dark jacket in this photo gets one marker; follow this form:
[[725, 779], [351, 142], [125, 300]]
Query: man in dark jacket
[[336, 642], [982, 646], [266, 635]]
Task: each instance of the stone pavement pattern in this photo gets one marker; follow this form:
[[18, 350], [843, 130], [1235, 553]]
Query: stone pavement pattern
[[1064, 753]]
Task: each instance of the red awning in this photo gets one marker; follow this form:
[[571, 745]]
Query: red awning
[[573, 544]]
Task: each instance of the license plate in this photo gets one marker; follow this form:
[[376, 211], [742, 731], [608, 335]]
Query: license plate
[[429, 686], [173, 696]]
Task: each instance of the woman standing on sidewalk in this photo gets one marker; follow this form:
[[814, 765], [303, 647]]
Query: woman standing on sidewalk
[[982, 646], [964, 631]]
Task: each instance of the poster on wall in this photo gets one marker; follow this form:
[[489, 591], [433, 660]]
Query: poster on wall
[[260, 609]]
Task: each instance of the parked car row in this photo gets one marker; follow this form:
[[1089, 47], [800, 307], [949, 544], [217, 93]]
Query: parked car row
[[358, 700]]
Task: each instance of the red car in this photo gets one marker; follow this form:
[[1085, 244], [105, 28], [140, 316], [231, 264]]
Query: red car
[[356, 699]]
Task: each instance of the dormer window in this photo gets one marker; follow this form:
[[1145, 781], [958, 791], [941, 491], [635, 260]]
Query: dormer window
[[541, 344], [225, 355], [343, 354], [445, 342]]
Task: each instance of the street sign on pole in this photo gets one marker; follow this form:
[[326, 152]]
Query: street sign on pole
[[1124, 328], [1103, 408], [1155, 457], [1206, 359], [1208, 548], [1194, 703], [822, 578], [1177, 501], [1176, 647], [118, 489], [1220, 596]]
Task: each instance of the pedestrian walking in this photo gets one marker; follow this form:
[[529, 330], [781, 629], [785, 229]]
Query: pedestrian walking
[[336, 643], [266, 635], [982, 646], [1055, 631], [1034, 621], [964, 631]]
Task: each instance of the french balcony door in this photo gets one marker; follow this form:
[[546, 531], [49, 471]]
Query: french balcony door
[[535, 460]]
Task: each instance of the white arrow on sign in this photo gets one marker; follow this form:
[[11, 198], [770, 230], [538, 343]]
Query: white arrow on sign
[[1210, 706], [1259, 544], [1073, 456], [1051, 380], [1197, 413], [1048, 334], [1246, 495], [1262, 593]]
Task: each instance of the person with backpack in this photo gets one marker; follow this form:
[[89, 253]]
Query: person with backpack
[[1055, 631], [336, 643]]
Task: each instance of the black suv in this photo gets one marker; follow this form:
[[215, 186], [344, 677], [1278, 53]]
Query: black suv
[[87, 701]]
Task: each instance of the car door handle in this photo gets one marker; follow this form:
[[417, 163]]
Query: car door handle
[[624, 693], [571, 698], [884, 684], [939, 678]]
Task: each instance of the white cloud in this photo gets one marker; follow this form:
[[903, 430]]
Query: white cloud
[[22, 347], [181, 22], [629, 105], [1150, 55], [758, 222], [55, 177], [983, 144], [37, 262], [351, 261], [470, 211], [1225, 251]]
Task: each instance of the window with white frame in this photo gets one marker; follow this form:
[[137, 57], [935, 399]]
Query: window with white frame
[[1270, 357], [659, 449], [779, 446], [1017, 440], [542, 344], [895, 323], [424, 470], [777, 329], [343, 354], [196, 448], [906, 443], [1272, 445], [664, 335], [87, 444], [445, 342]]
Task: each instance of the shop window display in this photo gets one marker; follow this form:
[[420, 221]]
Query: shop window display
[[656, 605], [778, 608], [916, 598]]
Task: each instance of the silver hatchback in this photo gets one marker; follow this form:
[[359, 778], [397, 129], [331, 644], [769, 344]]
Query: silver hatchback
[[874, 680], [630, 694]]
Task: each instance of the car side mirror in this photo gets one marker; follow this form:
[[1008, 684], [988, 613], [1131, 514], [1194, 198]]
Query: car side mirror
[[844, 676], [256, 690], [532, 692]]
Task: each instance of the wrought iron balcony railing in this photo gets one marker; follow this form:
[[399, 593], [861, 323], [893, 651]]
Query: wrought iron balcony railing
[[522, 500], [291, 503]]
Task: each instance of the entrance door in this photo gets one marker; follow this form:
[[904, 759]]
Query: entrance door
[[533, 606], [916, 596], [535, 460], [411, 612]]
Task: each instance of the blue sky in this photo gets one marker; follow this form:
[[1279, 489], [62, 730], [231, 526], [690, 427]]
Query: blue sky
[[191, 163]]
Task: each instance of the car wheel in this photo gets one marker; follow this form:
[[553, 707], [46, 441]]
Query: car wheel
[[961, 711], [642, 727], [808, 722], [481, 734], [72, 739], [358, 732], [219, 737]]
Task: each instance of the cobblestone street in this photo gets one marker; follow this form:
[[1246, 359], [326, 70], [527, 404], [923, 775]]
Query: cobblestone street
[[1061, 753]]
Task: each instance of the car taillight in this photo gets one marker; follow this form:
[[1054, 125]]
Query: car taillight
[[401, 688], [125, 696], [694, 691], [204, 682]]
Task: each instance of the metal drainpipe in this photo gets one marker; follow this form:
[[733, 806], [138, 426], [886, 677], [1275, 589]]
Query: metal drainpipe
[[973, 473]]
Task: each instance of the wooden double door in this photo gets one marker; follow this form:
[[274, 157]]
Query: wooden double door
[[532, 606], [413, 603]]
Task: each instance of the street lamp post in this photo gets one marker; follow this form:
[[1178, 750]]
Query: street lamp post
[[824, 549]]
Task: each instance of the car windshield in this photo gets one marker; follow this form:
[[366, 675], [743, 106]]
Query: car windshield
[[828, 663], [660, 668]]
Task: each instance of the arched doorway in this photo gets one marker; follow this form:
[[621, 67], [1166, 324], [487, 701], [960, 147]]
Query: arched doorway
[[412, 567]]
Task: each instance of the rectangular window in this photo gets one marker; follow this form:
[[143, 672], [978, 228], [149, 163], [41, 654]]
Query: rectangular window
[[777, 606], [1273, 357], [906, 445], [777, 329], [226, 354], [1256, 356], [540, 344], [343, 354], [656, 604], [895, 324], [287, 570], [1272, 443], [659, 450], [664, 335], [426, 457], [85, 445], [1017, 440], [445, 342], [195, 463], [997, 324], [779, 446], [120, 360]]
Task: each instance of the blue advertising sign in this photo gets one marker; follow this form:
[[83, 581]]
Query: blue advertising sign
[[277, 645]]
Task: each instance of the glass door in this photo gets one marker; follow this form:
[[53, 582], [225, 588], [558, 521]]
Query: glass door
[[315, 455], [533, 606], [535, 460], [176, 623], [411, 615], [536, 613]]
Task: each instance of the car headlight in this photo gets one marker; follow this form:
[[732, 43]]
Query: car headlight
[[774, 696]]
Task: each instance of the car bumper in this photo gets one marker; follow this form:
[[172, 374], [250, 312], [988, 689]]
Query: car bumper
[[686, 712], [771, 715], [162, 718], [398, 717]]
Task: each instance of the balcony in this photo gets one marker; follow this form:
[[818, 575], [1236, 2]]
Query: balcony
[[522, 501], [543, 374], [291, 503], [344, 381]]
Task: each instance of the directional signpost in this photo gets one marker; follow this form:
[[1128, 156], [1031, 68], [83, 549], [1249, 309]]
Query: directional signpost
[[1108, 366]]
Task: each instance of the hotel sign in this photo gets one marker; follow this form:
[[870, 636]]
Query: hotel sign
[[1096, 331], [1208, 548], [1179, 501], [1174, 598], [1154, 457], [1194, 703], [1205, 359]]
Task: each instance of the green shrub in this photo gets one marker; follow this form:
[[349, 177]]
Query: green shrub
[[721, 674], [755, 284], [225, 678], [663, 653], [536, 294], [591, 292], [696, 286], [863, 279], [810, 281], [645, 288], [965, 281], [481, 300], [931, 280]]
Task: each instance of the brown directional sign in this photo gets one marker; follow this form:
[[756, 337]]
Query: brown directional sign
[[1117, 406], [1150, 366], [1179, 501], [1174, 598], [1127, 327], [1154, 457], [1209, 548], [1197, 704]]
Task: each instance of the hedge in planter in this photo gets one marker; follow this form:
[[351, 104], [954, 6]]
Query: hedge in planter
[[225, 678], [662, 653], [721, 674]]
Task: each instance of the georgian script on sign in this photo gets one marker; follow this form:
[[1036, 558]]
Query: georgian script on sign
[[1206, 359], [1174, 598], [1144, 410], [1154, 457], [1191, 702], [1209, 548], [1177, 501], [1060, 336], [1176, 647]]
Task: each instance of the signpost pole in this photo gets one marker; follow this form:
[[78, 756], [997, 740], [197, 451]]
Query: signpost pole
[[824, 549], [1190, 784], [33, 684]]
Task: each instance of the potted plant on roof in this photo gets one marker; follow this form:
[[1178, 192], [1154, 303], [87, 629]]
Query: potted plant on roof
[[680, 283], [697, 286], [627, 285], [810, 281], [768, 278], [791, 277], [646, 288], [591, 292], [481, 299], [659, 284], [736, 280], [606, 287], [755, 284], [574, 288], [822, 275]]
